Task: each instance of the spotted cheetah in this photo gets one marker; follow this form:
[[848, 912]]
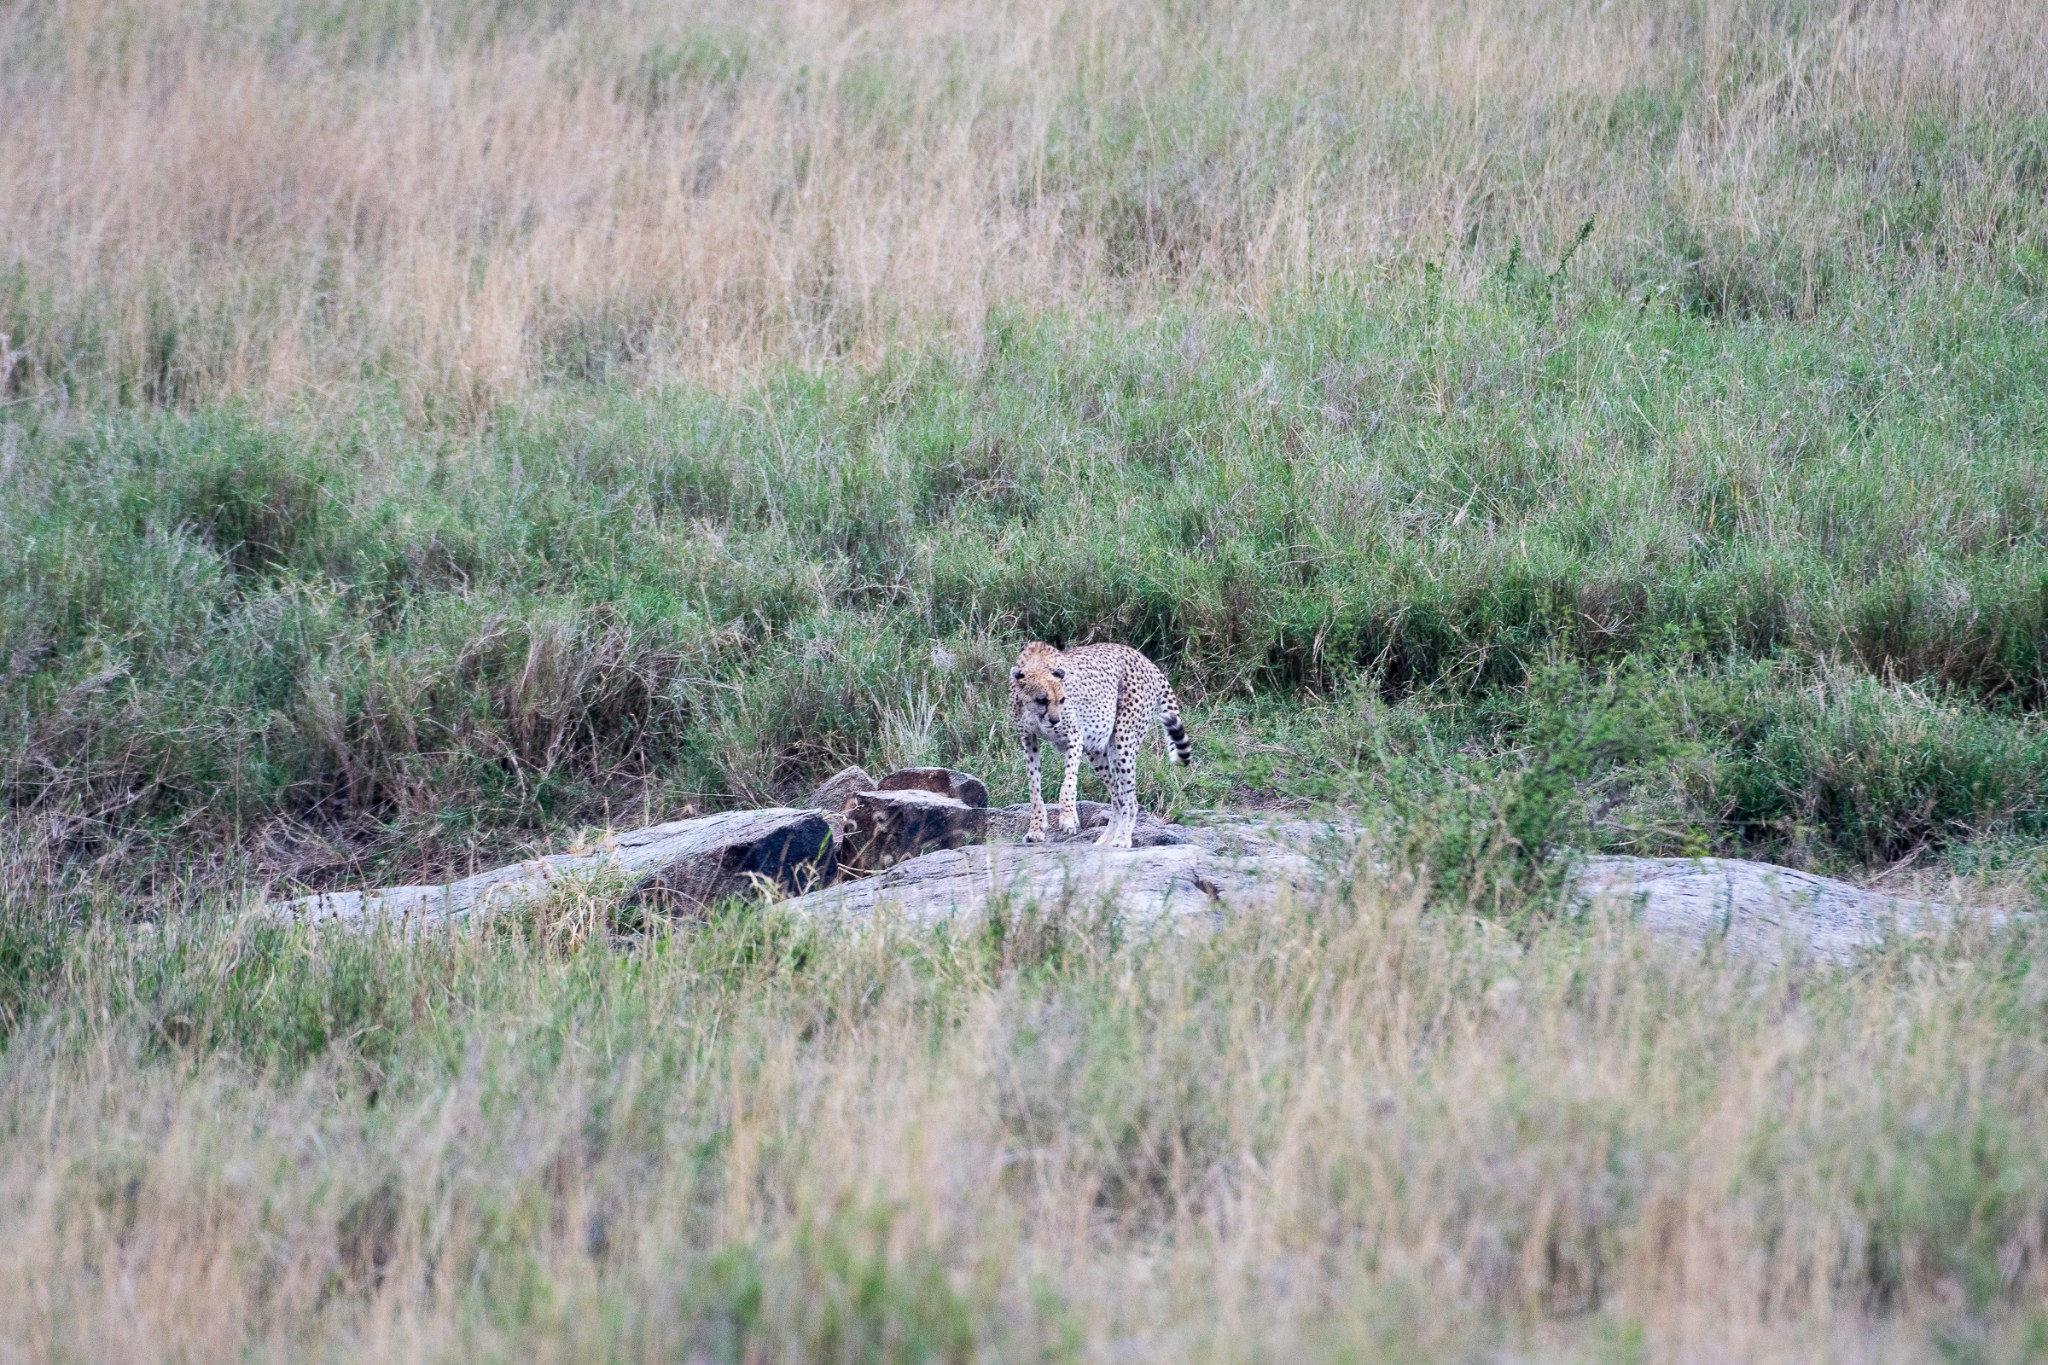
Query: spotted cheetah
[[1096, 700]]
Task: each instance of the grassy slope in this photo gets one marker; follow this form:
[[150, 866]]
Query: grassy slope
[[1386, 500], [427, 436]]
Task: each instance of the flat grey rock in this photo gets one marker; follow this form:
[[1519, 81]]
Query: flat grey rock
[[1218, 863], [1749, 909], [1238, 866], [684, 863], [1149, 831], [1758, 910]]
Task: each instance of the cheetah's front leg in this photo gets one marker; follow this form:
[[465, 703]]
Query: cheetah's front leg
[[1036, 833], [1070, 788]]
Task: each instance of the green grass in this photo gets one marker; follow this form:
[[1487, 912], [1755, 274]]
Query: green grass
[[1816, 549]]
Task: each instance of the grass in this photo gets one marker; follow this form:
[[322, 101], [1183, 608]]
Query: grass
[[1353, 1127], [608, 604], [294, 202], [428, 434]]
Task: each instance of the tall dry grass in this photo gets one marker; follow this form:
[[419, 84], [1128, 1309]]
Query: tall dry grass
[[288, 200], [1354, 1130]]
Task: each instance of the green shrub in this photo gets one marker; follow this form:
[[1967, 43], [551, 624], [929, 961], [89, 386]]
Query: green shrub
[[602, 604]]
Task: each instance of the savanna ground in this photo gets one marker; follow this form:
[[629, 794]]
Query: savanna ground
[[434, 433]]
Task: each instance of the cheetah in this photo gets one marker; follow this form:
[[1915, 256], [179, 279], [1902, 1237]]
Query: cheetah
[[1098, 701]]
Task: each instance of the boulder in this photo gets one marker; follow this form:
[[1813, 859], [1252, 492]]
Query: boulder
[[1225, 862], [964, 787], [1232, 865], [885, 827], [680, 865], [1758, 910], [836, 791], [932, 865]]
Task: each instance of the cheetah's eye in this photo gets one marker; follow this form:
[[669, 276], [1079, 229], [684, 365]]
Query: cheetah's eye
[[1059, 672], [1017, 675]]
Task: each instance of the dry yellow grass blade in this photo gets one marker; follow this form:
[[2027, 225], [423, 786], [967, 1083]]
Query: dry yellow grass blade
[[279, 200], [1353, 1126]]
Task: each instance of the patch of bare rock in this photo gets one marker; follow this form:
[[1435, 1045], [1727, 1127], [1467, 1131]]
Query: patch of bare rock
[[921, 845], [1758, 910]]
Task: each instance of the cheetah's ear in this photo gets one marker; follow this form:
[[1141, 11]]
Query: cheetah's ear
[[1059, 672]]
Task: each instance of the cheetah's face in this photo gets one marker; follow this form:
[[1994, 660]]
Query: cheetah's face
[[1041, 691]]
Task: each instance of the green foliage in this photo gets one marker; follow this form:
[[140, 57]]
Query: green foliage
[[32, 944], [602, 605], [1659, 756], [861, 1307], [1876, 771], [279, 996]]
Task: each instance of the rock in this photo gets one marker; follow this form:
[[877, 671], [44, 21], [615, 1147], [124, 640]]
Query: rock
[[1231, 863], [935, 867], [885, 827], [780, 849], [836, 791], [1758, 910], [1149, 831], [1232, 866], [965, 787], [684, 864]]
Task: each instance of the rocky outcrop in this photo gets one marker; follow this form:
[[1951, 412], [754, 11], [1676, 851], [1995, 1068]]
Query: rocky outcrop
[[1757, 910], [684, 864], [1206, 870], [1748, 909], [936, 856], [885, 827], [1010, 822]]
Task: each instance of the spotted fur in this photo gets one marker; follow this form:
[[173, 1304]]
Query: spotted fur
[[1097, 702]]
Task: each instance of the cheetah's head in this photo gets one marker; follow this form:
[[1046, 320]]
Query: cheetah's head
[[1037, 683]]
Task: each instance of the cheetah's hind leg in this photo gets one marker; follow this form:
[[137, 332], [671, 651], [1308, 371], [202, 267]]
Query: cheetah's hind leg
[[1120, 775]]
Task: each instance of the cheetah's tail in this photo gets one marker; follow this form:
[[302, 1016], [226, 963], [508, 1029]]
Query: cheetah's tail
[[1178, 748]]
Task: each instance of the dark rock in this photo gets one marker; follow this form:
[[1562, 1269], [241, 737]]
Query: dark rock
[[963, 787], [885, 827], [836, 791], [776, 850]]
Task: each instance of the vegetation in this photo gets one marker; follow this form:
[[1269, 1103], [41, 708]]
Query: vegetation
[[431, 433], [623, 604], [1353, 1128]]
